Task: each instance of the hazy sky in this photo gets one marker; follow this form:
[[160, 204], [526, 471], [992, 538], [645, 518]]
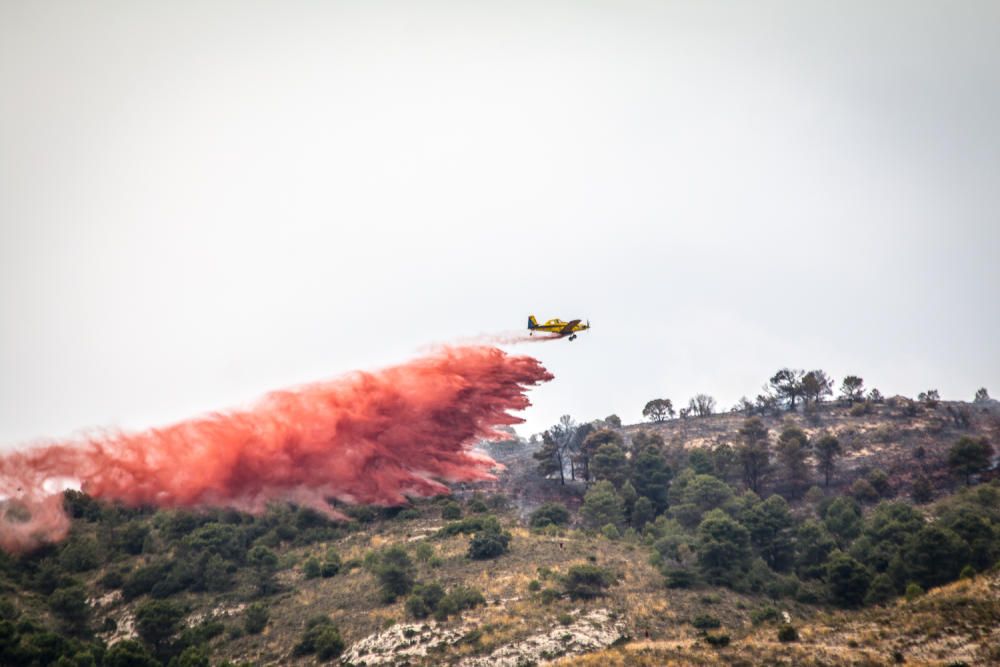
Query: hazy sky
[[203, 201]]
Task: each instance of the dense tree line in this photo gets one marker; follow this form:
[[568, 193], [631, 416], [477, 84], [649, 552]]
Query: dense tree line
[[721, 516]]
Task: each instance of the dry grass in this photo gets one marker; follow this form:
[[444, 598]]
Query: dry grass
[[959, 623]]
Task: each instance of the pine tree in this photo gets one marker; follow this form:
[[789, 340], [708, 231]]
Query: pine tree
[[827, 453], [550, 458], [755, 454], [723, 548], [792, 450], [601, 506], [651, 477], [970, 456]]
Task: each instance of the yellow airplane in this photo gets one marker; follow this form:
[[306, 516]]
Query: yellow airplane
[[557, 327]]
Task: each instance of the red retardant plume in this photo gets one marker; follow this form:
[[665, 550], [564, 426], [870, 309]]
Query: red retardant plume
[[372, 438]]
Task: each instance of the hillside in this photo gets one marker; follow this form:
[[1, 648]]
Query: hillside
[[712, 575], [873, 435], [953, 625]]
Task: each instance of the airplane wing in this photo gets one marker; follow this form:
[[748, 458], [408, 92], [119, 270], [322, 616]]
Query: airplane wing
[[569, 327]]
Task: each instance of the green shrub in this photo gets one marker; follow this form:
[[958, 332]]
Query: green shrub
[[216, 575], [201, 633], [417, 608], [143, 579], [129, 653], [717, 641], [458, 600], [80, 554], [331, 565], [424, 600], [863, 491], [113, 578], [470, 525], [787, 633], [549, 595], [451, 511], [861, 409], [549, 514], [913, 591], [488, 544], [362, 513], [534, 585], [265, 563], [679, 577], [706, 622], [225, 540], [320, 637], [329, 643], [192, 656], [394, 571], [431, 599], [880, 482], [423, 552], [587, 581], [157, 621], [256, 618], [311, 568], [409, 514], [477, 506], [765, 614], [70, 605]]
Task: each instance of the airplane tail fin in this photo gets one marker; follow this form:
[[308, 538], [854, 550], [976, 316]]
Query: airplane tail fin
[[532, 322]]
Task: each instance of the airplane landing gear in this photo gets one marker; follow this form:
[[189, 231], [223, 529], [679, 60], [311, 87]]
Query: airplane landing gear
[[573, 337]]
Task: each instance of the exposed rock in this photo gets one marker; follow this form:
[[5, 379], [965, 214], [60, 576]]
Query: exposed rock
[[124, 629], [221, 611], [402, 642], [106, 600], [589, 632]]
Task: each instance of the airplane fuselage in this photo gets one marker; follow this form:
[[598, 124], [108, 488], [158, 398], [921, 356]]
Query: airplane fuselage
[[557, 327]]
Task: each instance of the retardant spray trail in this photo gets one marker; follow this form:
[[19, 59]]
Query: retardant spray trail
[[364, 438]]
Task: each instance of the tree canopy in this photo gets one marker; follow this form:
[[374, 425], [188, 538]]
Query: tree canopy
[[970, 456], [787, 385], [852, 389], [658, 410]]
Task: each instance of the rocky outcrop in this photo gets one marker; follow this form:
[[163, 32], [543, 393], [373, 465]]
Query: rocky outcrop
[[589, 632], [402, 643], [415, 643]]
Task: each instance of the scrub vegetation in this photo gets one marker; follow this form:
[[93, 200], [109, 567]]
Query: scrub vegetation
[[814, 524]]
